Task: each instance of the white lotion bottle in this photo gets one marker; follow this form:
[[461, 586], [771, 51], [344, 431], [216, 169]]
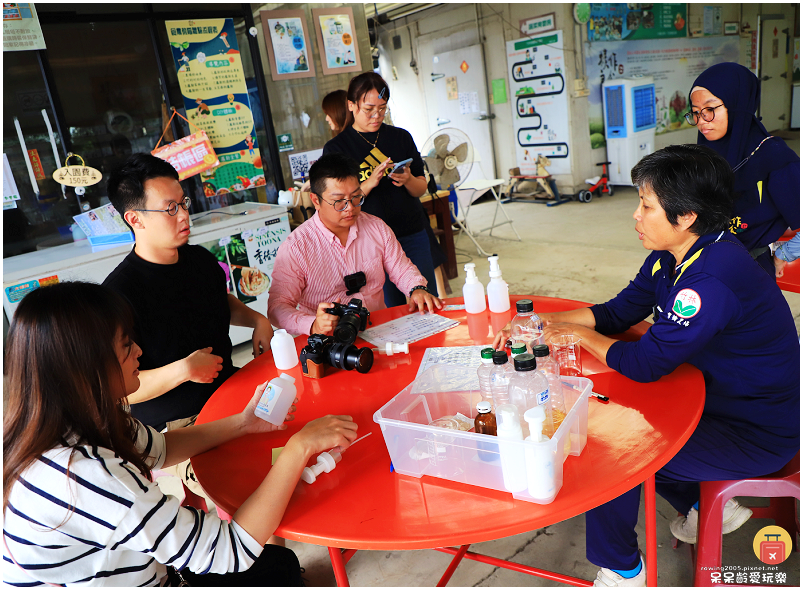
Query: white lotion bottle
[[277, 399], [512, 456], [539, 458], [474, 293], [497, 290], [284, 351]]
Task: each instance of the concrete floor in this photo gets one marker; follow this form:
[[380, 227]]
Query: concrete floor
[[583, 251]]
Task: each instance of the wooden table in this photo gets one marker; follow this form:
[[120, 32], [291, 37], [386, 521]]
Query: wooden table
[[362, 505]]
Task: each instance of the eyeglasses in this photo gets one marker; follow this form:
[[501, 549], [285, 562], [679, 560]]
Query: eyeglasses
[[693, 117], [172, 209], [372, 113], [342, 204]]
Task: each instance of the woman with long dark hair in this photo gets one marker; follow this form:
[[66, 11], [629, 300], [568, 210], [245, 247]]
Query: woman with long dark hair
[[79, 503], [724, 99], [334, 105], [394, 197]]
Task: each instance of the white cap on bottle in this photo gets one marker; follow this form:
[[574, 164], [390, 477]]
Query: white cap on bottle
[[494, 267]]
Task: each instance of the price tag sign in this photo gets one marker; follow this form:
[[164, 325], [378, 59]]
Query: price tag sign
[[77, 175]]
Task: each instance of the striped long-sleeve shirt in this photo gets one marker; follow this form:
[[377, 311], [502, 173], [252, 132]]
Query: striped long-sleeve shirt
[[99, 522], [311, 265]]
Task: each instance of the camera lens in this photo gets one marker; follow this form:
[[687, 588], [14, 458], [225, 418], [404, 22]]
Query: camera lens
[[347, 328], [348, 357]]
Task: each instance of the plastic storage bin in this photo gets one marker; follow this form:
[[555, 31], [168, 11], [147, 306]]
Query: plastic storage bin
[[418, 449]]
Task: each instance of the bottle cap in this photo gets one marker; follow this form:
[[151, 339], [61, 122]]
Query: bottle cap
[[499, 357], [494, 267], [486, 353], [525, 362], [288, 378], [280, 331], [535, 418], [541, 350], [483, 407], [524, 306], [519, 348]]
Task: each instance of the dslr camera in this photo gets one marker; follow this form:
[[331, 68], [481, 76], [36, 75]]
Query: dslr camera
[[338, 350], [353, 320]]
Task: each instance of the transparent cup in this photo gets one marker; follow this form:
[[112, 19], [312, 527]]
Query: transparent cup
[[566, 349]]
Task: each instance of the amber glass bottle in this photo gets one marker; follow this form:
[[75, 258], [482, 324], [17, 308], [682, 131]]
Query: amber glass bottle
[[485, 423]]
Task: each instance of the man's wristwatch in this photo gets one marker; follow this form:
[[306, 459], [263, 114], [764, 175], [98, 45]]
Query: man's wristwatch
[[423, 287]]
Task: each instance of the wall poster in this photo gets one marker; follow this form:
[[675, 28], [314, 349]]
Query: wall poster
[[336, 39], [21, 28], [541, 105], [674, 65], [618, 22], [286, 37], [214, 90], [248, 258]]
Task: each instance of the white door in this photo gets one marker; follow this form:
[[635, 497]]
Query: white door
[[775, 87], [468, 112]]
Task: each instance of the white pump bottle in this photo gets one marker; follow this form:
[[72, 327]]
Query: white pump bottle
[[497, 289], [474, 294], [539, 458]]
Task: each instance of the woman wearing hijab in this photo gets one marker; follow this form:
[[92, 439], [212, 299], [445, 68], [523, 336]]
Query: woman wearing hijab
[[724, 99]]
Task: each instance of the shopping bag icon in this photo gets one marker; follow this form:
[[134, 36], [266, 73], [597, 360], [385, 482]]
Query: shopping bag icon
[[773, 552]]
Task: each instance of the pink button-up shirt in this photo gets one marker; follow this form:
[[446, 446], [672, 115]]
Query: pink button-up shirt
[[312, 263]]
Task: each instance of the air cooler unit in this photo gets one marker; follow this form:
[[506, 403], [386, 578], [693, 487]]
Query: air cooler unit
[[629, 110]]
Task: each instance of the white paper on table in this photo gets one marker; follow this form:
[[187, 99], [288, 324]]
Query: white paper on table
[[409, 328]]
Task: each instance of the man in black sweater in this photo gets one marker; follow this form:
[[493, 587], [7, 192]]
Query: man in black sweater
[[179, 297]]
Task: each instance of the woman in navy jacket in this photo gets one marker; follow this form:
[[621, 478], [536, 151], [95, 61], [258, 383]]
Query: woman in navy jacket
[[716, 308]]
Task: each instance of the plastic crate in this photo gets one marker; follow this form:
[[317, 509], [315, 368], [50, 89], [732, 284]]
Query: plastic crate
[[417, 449]]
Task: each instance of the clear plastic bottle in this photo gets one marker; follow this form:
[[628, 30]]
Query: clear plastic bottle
[[277, 399], [529, 388], [526, 327], [497, 290], [485, 375], [474, 293], [549, 366], [500, 375]]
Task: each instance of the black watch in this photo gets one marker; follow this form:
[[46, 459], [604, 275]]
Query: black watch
[[423, 287]]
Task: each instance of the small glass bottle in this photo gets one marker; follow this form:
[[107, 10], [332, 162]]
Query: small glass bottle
[[485, 423]]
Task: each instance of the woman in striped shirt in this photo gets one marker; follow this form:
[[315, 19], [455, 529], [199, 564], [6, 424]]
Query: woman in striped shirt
[[79, 502]]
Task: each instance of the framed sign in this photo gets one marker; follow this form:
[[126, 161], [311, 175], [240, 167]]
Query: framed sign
[[538, 24], [336, 40], [286, 36], [732, 28]]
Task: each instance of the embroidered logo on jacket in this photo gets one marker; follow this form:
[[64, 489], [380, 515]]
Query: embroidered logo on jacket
[[687, 304]]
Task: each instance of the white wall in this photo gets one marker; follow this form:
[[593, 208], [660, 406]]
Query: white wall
[[453, 26]]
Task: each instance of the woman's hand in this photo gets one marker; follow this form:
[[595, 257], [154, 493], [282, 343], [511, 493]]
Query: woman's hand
[[502, 337], [375, 177], [553, 329], [402, 177], [325, 433], [779, 266], [252, 424]]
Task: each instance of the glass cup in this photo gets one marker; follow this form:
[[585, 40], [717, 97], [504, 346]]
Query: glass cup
[[566, 349]]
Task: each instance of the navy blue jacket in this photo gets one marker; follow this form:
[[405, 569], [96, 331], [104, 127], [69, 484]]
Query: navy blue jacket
[[721, 312]]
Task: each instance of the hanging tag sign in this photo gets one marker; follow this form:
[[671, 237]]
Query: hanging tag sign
[[189, 155], [81, 175]]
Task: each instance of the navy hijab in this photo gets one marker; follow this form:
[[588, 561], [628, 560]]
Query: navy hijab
[[740, 91]]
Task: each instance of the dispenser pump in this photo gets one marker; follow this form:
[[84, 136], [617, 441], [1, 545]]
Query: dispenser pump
[[535, 418], [472, 278], [494, 267]]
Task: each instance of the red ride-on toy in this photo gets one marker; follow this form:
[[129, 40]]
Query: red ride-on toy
[[599, 187]]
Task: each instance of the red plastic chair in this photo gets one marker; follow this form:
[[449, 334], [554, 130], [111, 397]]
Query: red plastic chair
[[781, 487]]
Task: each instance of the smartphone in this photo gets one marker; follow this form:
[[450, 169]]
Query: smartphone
[[398, 167]]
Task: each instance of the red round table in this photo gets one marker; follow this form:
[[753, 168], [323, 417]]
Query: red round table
[[362, 505]]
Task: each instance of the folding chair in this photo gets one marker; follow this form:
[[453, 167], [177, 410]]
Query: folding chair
[[465, 195]]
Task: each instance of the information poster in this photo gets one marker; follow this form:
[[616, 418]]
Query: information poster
[[10, 191], [288, 39], [214, 90], [624, 22], [541, 106], [248, 258], [21, 28], [336, 39], [674, 65]]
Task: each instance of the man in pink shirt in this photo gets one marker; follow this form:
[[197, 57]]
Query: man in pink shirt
[[338, 244]]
